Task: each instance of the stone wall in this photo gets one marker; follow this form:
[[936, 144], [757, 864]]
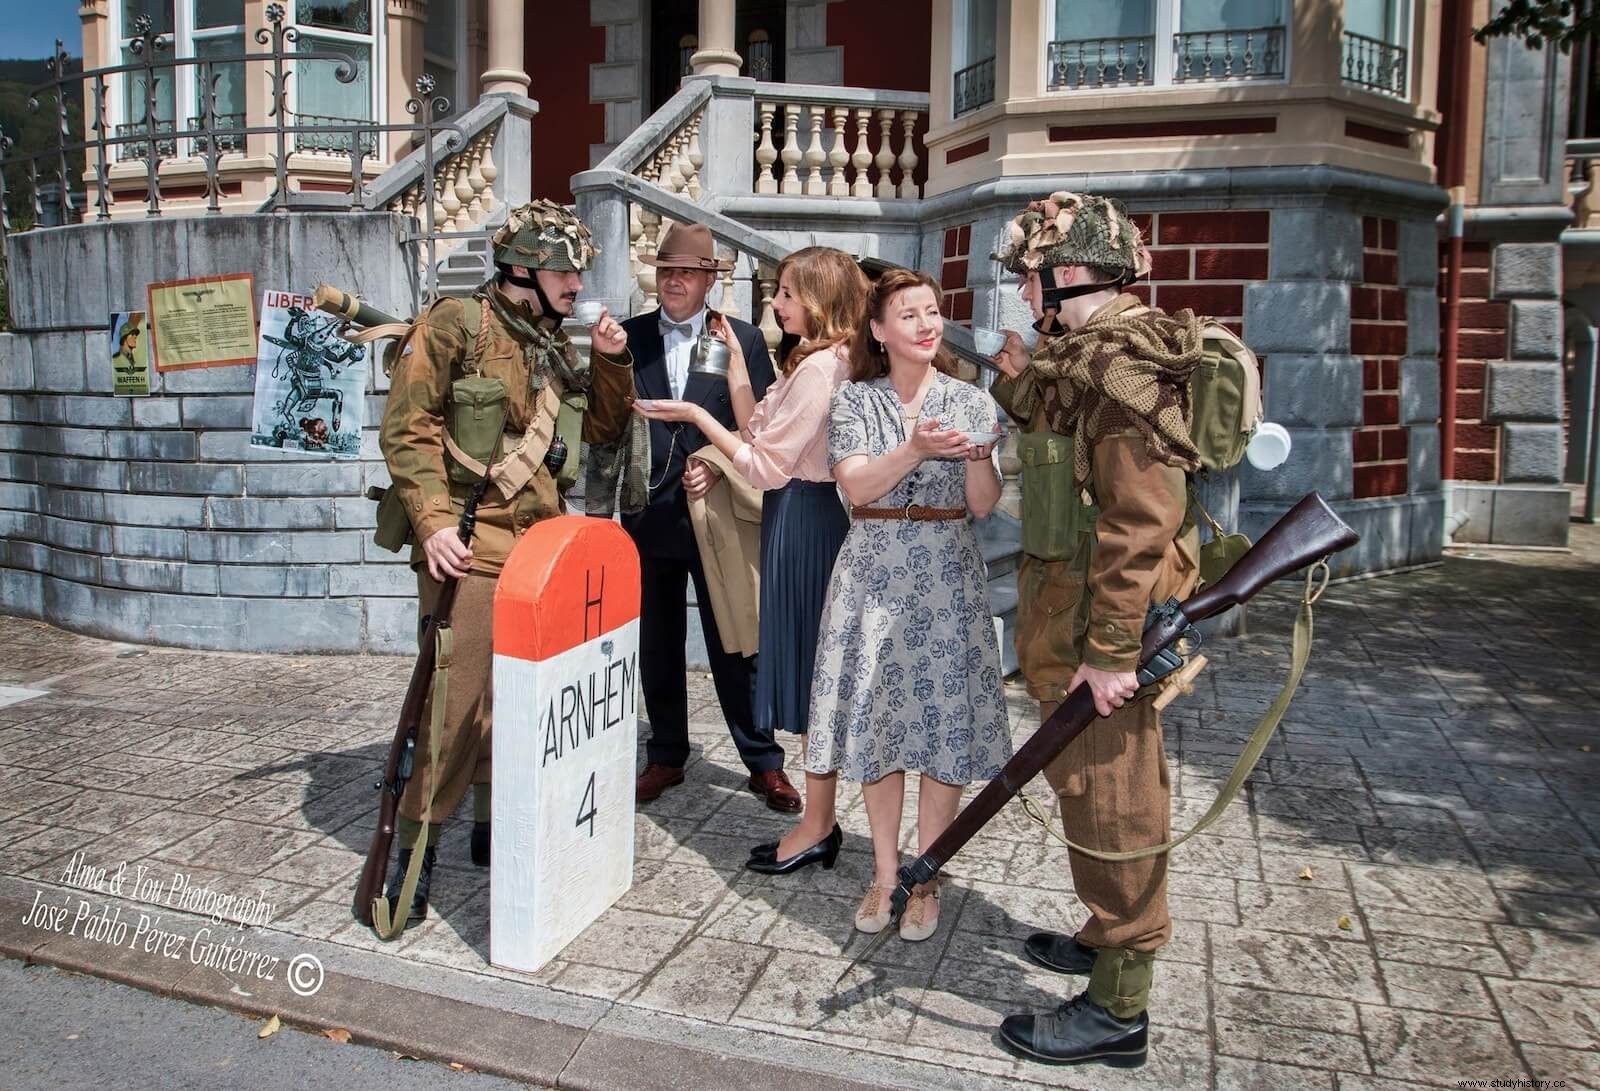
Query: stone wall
[[152, 519]]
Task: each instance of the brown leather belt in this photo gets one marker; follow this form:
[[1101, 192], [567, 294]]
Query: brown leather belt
[[915, 512]]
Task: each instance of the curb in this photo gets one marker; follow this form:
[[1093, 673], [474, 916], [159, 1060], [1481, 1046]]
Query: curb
[[488, 1039]]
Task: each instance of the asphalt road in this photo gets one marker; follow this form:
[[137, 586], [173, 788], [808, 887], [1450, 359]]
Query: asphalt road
[[63, 1031]]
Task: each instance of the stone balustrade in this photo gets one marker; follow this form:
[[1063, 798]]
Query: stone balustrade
[[463, 187], [819, 142], [1583, 178]]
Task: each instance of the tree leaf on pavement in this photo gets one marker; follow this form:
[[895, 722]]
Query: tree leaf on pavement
[[338, 1034], [1345, 925], [269, 1028], [1306, 873]]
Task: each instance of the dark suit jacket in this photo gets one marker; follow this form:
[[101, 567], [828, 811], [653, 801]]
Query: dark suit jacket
[[662, 529]]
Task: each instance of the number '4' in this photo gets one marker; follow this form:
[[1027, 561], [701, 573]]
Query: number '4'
[[588, 801]]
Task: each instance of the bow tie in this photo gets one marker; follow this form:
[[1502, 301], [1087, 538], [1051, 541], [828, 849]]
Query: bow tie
[[684, 328]]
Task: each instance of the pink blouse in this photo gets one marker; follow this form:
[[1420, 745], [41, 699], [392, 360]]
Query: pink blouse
[[787, 437]]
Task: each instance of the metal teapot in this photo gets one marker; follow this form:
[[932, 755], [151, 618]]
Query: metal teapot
[[710, 354]]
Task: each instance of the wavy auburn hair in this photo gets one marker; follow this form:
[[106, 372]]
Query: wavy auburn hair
[[868, 360], [832, 290]]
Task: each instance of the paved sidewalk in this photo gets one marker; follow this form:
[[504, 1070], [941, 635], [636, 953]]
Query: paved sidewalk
[[1408, 894]]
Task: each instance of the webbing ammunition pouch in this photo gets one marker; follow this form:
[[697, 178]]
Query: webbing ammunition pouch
[[569, 429], [475, 418], [394, 531], [1055, 515]]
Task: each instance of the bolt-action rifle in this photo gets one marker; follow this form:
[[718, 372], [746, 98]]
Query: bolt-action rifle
[[398, 767], [1307, 534]]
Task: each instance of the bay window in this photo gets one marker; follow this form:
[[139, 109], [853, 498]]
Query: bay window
[[1130, 43]]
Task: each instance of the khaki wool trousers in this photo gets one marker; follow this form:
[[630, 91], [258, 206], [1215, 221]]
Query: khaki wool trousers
[[1111, 781], [464, 744]]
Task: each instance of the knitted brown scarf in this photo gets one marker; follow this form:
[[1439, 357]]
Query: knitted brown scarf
[[1116, 371]]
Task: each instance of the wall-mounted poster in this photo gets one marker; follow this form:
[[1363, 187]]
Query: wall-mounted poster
[[311, 384], [204, 321], [129, 349]]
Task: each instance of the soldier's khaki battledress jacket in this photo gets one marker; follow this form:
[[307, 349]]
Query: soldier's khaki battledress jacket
[[439, 351]]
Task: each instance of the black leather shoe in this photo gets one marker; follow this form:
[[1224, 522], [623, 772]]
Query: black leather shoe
[[480, 844], [1078, 1031], [1063, 954], [419, 898], [825, 851]]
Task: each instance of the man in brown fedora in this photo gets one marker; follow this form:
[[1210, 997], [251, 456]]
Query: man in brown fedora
[[663, 343]]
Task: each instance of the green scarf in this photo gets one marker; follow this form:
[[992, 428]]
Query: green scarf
[[1116, 371]]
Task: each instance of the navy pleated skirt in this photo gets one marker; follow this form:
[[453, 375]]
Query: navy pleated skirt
[[803, 525]]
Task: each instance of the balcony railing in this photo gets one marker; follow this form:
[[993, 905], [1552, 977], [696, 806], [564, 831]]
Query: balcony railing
[[335, 143], [974, 86], [228, 143], [1374, 65], [1583, 183], [1255, 53], [1100, 62]]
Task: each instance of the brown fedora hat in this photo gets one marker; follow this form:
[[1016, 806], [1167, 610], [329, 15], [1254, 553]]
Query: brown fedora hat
[[687, 246]]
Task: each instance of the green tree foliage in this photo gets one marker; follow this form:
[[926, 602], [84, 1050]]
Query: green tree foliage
[[1559, 22]]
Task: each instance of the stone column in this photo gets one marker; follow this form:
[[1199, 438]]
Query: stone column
[[717, 55], [404, 24], [505, 74]]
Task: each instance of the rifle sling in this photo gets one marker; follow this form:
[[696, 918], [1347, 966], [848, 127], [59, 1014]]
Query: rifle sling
[[1253, 747], [388, 929]]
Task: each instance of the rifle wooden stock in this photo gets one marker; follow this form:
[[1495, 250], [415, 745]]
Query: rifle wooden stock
[[393, 785], [407, 731], [1307, 533]]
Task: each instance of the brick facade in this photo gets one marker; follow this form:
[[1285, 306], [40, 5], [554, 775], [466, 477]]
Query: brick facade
[[1480, 341], [1378, 336], [953, 274]]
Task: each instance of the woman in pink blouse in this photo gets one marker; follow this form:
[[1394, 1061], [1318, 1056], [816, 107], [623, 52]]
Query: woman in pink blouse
[[782, 447]]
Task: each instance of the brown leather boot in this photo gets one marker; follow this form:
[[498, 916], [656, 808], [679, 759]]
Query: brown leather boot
[[654, 780], [774, 786]]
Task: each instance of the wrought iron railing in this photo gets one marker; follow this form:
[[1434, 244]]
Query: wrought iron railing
[[1100, 62], [1374, 65], [974, 86], [212, 134], [1253, 53]]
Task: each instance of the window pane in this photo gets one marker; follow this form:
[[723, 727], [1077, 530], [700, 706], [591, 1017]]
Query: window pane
[[1384, 20], [134, 92], [322, 94], [1077, 21], [439, 37], [980, 30], [160, 12], [351, 15], [229, 78], [218, 13], [1201, 15]]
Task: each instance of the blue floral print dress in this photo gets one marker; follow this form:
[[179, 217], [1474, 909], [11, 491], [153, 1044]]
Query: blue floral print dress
[[907, 669]]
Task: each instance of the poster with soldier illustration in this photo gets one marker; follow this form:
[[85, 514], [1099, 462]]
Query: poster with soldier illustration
[[129, 349], [311, 383]]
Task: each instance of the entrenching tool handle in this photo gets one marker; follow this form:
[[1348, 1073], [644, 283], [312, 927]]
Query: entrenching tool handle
[[336, 301], [1307, 533]]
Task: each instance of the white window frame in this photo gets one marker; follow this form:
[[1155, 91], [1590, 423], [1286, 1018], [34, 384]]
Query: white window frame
[[185, 94], [1402, 40], [458, 93], [376, 108], [960, 48], [1163, 64]]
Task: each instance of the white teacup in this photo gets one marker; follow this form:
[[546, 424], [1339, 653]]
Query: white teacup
[[588, 311], [987, 341], [1269, 447], [981, 439]]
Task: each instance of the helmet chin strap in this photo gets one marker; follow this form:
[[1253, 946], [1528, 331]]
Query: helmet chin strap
[[1051, 297], [531, 283]]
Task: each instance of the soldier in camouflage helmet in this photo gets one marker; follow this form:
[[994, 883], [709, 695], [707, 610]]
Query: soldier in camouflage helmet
[[1105, 455], [508, 330]]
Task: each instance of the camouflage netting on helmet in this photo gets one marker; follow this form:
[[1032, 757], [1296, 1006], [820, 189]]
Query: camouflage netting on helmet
[[544, 235], [1073, 229]]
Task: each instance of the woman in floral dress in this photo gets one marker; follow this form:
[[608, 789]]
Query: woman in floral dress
[[908, 669]]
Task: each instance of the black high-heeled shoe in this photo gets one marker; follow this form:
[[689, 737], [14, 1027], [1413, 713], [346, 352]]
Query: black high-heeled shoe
[[825, 851]]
